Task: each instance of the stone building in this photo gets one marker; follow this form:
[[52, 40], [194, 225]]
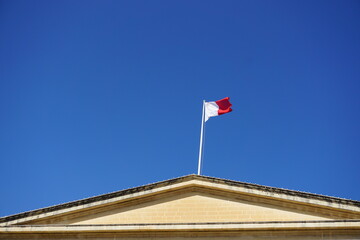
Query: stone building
[[192, 207]]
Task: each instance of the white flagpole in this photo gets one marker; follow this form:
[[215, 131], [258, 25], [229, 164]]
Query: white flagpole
[[201, 137]]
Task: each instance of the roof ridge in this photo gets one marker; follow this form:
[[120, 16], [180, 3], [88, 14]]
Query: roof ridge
[[170, 182], [284, 189]]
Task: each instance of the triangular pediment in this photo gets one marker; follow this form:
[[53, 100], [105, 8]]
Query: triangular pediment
[[193, 199], [195, 207]]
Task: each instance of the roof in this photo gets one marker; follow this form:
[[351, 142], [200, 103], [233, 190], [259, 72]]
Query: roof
[[248, 188]]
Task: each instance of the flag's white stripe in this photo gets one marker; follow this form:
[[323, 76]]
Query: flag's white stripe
[[211, 110]]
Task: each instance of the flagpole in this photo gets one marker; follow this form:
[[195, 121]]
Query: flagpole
[[201, 138]]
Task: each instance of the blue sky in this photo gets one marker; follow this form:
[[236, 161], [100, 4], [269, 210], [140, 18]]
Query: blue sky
[[100, 96]]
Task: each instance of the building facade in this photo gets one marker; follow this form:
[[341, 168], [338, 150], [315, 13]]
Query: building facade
[[192, 207]]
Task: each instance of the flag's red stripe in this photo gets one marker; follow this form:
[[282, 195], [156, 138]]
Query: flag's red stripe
[[224, 105]]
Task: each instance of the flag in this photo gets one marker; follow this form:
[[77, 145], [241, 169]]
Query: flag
[[217, 108]]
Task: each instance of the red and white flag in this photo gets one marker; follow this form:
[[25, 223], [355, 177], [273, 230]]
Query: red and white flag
[[217, 108]]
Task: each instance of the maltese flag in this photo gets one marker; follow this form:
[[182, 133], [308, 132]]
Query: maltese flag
[[217, 108]]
